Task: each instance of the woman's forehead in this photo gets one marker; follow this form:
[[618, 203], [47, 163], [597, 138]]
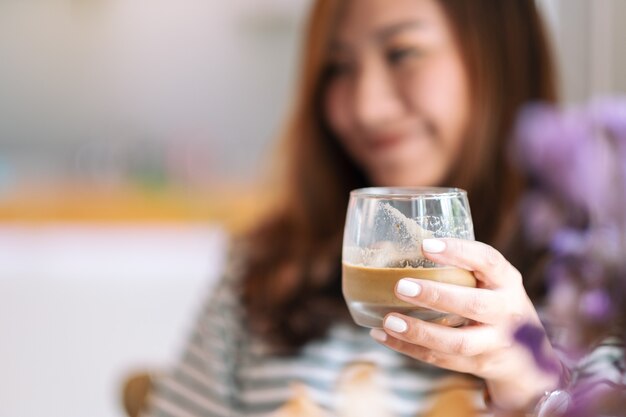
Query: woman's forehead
[[376, 20]]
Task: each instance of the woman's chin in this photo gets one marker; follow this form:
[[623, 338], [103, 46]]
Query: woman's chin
[[387, 179]]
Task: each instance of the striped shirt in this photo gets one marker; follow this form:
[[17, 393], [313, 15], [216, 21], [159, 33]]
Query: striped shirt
[[224, 371]]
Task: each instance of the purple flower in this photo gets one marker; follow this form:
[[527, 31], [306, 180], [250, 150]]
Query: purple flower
[[543, 141], [576, 161], [592, 271], [596, 305], [569, 242], [609, 113], [541, 217], [565, 151], [534, 339]]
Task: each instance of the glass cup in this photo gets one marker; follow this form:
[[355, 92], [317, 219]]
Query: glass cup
[[382, 243]]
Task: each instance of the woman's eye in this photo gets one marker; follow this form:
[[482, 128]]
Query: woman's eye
[[339, 68], [398, 55]]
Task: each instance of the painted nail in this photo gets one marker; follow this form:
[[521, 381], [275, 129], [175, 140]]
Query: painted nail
[[396, 324], [433, 245], [378, 335], [408, 288]]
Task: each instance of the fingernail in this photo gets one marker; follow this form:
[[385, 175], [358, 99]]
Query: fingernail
[[408, 288], [434, 245], [378, 335], [396, 324]]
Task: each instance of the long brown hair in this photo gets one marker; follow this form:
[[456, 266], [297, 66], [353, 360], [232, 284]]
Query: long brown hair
[[292, 286]]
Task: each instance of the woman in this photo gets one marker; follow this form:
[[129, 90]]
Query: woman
[[403, 93]]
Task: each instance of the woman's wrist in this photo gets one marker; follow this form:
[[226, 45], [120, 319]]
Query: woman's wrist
[[556, 402], [549, 390], [509, 397]]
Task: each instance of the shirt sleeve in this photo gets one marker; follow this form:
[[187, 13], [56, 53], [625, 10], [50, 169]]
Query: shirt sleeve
[[599, 372], [202, 383]]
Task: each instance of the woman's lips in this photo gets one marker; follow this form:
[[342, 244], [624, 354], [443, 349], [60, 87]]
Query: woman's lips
[[381, 143]]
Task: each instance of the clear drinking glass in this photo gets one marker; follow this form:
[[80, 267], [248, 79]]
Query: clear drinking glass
[[382, 243]]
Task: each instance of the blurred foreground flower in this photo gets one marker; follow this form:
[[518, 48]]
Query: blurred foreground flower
[[576, 161]]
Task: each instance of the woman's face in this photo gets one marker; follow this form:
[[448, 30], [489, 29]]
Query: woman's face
[[398, 95]]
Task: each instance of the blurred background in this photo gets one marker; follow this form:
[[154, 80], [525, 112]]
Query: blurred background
[[133, 134]]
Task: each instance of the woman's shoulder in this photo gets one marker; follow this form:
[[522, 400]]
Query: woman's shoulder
[[223, 295], [235, 259]]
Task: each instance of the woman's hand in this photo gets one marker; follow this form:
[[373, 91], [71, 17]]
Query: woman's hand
[[485, 348]]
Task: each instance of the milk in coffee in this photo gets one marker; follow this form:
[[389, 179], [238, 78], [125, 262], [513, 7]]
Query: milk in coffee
[[369, 292]]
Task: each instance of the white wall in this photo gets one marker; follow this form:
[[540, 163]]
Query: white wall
[[216, 73], [590, 37], [619, 44], [146, 71]]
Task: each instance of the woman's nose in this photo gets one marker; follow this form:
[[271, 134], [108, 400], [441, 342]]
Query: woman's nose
[[377, 100]]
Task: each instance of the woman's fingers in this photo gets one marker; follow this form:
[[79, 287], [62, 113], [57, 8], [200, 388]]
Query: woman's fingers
[[465, 364], [488, 265], [465, 341], [478, 304]]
